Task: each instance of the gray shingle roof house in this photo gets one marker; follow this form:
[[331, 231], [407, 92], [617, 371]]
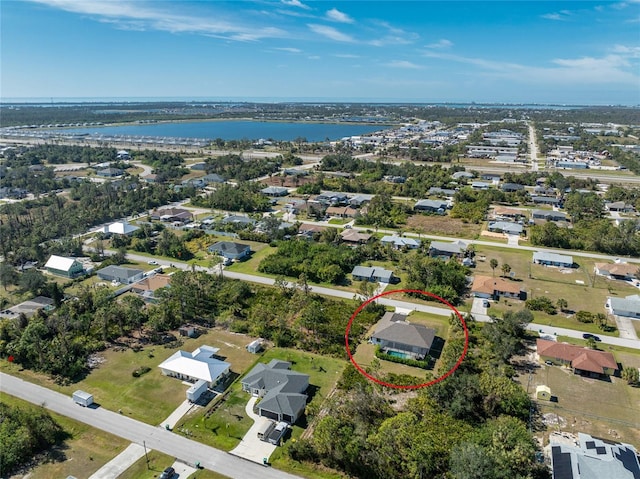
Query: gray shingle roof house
[[365, 273], [628, 307], [552, 259], [274, 191], [439, 249], [395, 335], [594, 458], [400, 242], [549, 215], [120, 274], [110, 172], [281, 389], [231, 250], [432, 206]]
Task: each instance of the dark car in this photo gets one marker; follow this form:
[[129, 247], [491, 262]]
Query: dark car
[[592, 336], [168, 473]]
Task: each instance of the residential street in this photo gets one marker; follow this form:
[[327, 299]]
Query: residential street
[[154, 437]]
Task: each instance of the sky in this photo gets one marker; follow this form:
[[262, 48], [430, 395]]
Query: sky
[[568, 52]]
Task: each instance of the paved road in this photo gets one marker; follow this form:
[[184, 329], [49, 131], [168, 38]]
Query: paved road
[[533, 147], [441, 311], [137, 432]]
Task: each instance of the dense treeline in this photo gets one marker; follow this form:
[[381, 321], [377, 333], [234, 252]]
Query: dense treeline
[[26, 226], [382, 212], [236, 167], [245, 197], [472, 425], [447, 279], [321, 263], [25, 432], [167, 166], [58, 154]]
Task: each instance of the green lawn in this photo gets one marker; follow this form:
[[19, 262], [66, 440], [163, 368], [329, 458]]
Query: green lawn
[[86, 451], [227, 422], [250, 266], [152, 397], [339, 221]]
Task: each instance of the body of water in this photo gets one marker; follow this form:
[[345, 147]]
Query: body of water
[[235, 130]]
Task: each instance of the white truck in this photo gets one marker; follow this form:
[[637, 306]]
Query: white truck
[[83, 398]]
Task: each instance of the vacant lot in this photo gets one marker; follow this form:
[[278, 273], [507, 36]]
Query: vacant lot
[[86, 451], [443, 226], [606, 409]]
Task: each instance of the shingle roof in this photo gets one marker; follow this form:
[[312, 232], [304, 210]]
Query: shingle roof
[[393, 327], [580, 358], [618, 269], [119, 271], [487, 284], [552, 257], [456, 248], [228, 247], [625, 304]]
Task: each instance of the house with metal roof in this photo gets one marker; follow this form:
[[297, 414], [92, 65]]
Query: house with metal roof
[[120, 274], [62, 266], [443, 250], [628, 307], [230, 249], [397, 337], [120, 228], [585, 361], [594, 458], [552, 259], [281, 389], [373, 274], [399, 242], [431, 206], [199, 365], [506, 227]]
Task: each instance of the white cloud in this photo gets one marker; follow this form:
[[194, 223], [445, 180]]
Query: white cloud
[[289, 49], [330, 33], [441, 44], [313, 57], [552, 16], [296, 3], [337, 16], [142, 16], [614, 68], [346, 55], [403, 64]]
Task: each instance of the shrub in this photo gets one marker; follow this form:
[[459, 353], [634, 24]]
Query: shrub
[[140, 371], [541, 303], [584, 316]]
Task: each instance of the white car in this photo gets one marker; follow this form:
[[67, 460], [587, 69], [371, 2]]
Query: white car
[[152, 261]]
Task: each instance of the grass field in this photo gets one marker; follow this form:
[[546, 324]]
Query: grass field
[[86, 451], [151, 397], [443, 226], [605, 409]]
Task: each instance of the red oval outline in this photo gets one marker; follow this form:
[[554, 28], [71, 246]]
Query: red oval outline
[[415, 386]]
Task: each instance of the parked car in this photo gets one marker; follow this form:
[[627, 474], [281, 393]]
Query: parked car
[[168, 473], [152, 262], [485, 303]]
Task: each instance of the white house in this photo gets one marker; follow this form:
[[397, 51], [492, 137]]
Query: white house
[[195, 366], [628, 307], [552, 259], [400, 242], [120, 228]]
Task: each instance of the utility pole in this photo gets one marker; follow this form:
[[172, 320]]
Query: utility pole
[[144, 444]]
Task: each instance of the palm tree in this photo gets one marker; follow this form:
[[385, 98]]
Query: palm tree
[[505, 269], [494, 264], [562, 304]]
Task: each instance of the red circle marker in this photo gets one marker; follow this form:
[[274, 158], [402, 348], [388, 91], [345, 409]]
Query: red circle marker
[[415, 386]]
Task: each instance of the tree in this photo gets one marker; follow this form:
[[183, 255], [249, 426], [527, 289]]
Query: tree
[[631, 375], [7, 275], [562, 304], [494, 264], [505, 269], [591, 343], [471, 461]]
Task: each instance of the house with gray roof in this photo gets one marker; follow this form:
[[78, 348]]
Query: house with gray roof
[[506, 227], [212, 178], [274, 191], [120, 274], [375, 275], [110, 172], [431, 206], [546, 200], [230, 249], [549, 215], [281, 389], [397, 337], [628, 307], [399, 242], [594, 458], [442, 250], [552, 259]]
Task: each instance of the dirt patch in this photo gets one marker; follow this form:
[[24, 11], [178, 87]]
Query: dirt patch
[[493, 234], [443, 225], [552, 419]]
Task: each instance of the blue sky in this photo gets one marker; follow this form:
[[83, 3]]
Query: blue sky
[[430, 51]]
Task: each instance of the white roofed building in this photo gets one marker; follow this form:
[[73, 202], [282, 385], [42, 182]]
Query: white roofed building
[[120, 228], [195, 366], [62, 266]]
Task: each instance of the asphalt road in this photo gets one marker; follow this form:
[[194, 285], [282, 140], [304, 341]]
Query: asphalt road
[[153, 437], [442, 311]]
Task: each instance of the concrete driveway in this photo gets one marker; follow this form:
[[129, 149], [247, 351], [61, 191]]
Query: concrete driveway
[[120, 463], [625, 327], [251, 447]]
